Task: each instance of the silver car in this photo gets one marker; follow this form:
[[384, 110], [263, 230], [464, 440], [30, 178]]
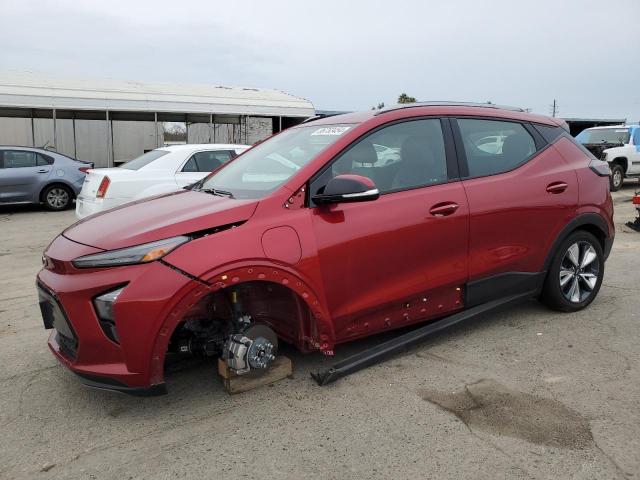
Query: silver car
[[34, 175]]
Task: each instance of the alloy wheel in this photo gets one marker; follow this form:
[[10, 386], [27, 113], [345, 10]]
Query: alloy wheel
[[579, 272], [57, 198], [617, 178]]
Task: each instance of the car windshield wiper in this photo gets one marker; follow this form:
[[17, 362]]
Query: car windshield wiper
[[215, 191]]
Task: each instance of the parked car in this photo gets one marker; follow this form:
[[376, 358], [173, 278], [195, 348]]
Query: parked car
[[35, 175], [290, 241], [618, 145], [162, 170]]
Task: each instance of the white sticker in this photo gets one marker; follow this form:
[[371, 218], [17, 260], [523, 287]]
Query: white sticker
[[331, 131]]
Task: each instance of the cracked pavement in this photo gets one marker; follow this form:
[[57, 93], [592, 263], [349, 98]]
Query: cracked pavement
[[524, 393]]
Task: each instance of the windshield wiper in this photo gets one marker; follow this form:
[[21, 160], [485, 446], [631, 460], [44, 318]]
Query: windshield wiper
[[215, 191]]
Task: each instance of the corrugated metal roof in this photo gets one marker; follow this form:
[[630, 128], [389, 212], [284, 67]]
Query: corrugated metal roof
[[29, 90]]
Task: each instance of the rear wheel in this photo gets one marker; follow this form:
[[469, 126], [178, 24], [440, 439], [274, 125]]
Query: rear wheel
[[576, 273], [617, 177], [57, 197]]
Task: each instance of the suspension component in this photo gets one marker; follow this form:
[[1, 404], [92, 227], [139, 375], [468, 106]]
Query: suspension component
[[253, 349]]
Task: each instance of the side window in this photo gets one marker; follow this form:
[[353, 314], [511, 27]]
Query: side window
[[19, 159], [207, 161], [43, 160], [494, 146], [190, 166], [401, 156], [636, 137]]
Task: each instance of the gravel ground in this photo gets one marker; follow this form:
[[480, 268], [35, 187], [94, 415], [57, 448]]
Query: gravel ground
[[526, 393]]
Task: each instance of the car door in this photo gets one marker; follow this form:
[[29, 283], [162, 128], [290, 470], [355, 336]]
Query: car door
[[201, 164], [520, 197], [634, 161], [403, 257], [23, 174]]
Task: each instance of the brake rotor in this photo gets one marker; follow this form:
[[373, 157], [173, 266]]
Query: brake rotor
[[264, 346]]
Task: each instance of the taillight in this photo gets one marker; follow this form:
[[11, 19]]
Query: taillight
[[102, 189], [636, 200], [600, 168]]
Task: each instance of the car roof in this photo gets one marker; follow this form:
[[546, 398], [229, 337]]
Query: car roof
[[437, 109], [31, 149], [200, 146], [603, 127]]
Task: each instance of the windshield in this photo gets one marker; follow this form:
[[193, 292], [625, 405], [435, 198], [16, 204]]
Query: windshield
[[143, 160], [619, 135], [267, 166]]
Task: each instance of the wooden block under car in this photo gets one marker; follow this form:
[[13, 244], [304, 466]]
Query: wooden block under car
[[281, 368]]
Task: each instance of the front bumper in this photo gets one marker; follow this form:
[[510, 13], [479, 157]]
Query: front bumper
[[150, 295]]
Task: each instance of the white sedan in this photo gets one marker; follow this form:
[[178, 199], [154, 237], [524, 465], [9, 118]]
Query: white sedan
[[159, 171]]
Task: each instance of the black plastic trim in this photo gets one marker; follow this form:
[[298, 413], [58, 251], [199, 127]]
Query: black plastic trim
[[453, 169], [108, 383], [581, 220], [383, 350], [502, 285]]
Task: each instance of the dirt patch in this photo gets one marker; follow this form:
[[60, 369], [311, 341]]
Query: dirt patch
[[490, 406]]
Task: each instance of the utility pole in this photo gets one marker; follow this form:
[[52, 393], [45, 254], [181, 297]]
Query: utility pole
[[554, 108]]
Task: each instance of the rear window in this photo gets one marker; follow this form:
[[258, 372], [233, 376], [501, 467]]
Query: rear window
[[617, 135], [144, 160]]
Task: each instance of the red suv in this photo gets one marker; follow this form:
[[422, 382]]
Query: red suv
[[333, 230]]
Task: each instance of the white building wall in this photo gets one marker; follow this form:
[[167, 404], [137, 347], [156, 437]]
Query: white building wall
[[16, 131], [91, 141], [131, 139]]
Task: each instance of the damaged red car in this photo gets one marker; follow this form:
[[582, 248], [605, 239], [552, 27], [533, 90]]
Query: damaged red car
[[330, 231]]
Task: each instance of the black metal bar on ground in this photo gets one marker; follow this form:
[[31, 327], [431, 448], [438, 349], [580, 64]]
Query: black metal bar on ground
[[376, 354]]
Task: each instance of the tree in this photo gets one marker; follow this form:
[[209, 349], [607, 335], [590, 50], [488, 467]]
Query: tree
[[379, 107], [404, 98]]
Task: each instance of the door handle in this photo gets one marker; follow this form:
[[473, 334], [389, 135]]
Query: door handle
[[443, 209], [557, 187], [44, 170]]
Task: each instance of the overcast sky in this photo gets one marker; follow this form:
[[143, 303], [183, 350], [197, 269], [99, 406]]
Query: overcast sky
[[347, 55]]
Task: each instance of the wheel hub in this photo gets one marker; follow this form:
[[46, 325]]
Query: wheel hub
[[579, 272]]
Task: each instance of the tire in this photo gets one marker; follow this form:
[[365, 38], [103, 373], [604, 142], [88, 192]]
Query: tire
[[57, 197], [617, 178], [575, 275]]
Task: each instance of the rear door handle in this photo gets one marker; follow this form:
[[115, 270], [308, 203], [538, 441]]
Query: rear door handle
[[557, 187], [443, 209], [43, 171]]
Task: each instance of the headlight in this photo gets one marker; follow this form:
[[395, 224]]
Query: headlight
[[145, 253]]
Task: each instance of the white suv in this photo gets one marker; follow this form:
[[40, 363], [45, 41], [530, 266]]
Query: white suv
[[618, 145]]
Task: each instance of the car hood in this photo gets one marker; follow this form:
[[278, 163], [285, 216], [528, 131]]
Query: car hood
[[159, 217]]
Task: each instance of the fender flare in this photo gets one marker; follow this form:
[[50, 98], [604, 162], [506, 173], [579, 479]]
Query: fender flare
[[591, 219], [235, 274], [57, 181]]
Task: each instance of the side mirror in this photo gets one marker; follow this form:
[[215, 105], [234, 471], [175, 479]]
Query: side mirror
[[347, 188]]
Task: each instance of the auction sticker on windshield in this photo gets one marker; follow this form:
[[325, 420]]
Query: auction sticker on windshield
[[331, 131]]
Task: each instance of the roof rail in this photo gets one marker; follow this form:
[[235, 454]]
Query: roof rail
[[447, 104]]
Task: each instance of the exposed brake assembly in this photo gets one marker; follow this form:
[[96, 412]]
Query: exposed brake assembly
[[254, 348]]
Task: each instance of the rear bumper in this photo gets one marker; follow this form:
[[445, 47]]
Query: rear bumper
[[86, 206]]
